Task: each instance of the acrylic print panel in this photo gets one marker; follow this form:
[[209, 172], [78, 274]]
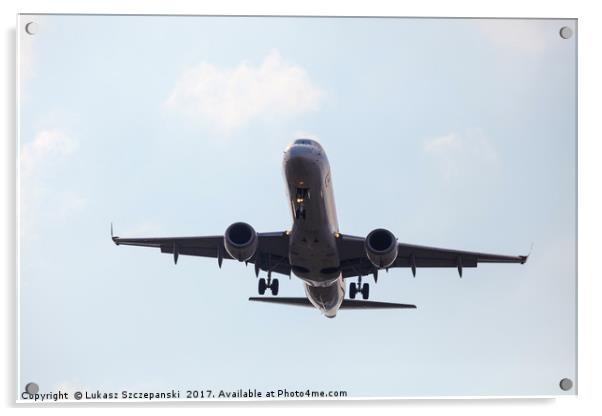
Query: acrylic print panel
[[453, 133]]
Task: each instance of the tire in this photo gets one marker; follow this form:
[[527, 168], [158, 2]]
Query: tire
[[352, 290], [274, 287], [262, 286], [365, 291]]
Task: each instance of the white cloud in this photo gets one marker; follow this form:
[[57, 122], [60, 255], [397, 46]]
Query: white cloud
[[38, 198], [227, 98], [461, 155], [441, 143], [47, 144]]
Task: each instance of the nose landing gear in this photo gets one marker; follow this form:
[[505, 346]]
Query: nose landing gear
[[300, 212], [359, 287], [264, 284], [300, 196]]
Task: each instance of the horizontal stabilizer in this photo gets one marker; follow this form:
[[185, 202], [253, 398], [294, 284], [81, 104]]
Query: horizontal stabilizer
[[367, 304], [284, 301], [347, 303]]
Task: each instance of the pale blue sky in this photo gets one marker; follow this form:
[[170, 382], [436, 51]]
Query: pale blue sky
[[452, 133]]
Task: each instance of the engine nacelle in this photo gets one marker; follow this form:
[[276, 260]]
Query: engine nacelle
[[381, 247], [240, 240]]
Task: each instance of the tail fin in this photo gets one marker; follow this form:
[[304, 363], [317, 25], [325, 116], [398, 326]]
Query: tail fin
[[347, 303]]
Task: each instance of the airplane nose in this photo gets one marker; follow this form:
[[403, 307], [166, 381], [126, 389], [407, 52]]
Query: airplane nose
[[300, 153], [300, 161]]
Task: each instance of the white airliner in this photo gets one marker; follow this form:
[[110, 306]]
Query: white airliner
[[314, 249]]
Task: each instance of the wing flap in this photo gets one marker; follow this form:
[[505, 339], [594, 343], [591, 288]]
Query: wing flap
[[271, 255], [354, 261]]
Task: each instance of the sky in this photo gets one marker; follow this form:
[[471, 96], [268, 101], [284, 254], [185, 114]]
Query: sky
[[456, 133]]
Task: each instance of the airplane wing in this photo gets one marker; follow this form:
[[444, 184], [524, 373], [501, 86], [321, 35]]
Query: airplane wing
[[354, 261], [271, 254]]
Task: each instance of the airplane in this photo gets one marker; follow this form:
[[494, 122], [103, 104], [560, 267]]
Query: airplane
[[314, 249]]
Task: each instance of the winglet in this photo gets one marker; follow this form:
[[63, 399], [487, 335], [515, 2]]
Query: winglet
[[525, 258], [113, 237]]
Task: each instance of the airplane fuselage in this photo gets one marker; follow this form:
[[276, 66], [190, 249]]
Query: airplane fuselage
[[313, 251]]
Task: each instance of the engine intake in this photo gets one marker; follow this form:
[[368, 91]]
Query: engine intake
[[240, 241], [381, 247]]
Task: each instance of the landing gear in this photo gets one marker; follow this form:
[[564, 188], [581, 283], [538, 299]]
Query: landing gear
[[359, 287], [300, 196], [274, 286], [264, 284], [300, 212]]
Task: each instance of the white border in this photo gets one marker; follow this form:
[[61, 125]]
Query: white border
[[18, 201], [20, 382], [589, 147]]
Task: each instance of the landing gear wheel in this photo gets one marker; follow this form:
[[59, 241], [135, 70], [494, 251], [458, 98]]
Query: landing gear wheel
[[365, 291], [300, 212], [274, 287], [262, 286], [352, 290]]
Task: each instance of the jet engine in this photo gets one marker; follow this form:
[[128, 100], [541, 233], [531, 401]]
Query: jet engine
[[381, 247], [240, 241]]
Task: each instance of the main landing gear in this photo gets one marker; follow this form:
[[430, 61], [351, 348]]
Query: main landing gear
[[359, 287], [269, 283]]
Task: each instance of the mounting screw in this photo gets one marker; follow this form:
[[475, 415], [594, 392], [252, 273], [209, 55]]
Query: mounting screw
[[566, 384], [32, 388], [566, 32], [31, 28]]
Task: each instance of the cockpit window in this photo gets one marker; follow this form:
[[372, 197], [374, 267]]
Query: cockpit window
[[308, 142]]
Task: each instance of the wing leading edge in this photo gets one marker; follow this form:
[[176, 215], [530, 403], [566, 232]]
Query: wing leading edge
[[354, 261], [271, 254]]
